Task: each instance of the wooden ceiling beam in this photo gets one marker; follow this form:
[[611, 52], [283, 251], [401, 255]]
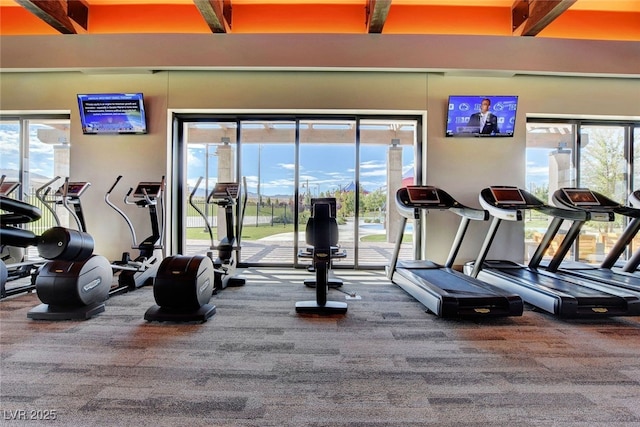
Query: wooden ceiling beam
[[216, 13], [66, 16], [529, 17], [377, 11]]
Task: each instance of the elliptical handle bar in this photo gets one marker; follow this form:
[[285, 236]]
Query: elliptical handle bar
[[65, 203], [42, 197], [121, 213], [114, 184], [197, 209], [245, 198], [163, 184], [126, 197]]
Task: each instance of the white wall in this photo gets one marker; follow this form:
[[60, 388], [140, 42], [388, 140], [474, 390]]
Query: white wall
[[460, 166]]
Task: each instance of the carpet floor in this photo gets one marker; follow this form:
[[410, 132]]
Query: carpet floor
[[386, 362]]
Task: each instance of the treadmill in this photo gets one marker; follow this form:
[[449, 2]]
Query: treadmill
[[557, 293], [446, 292], [584, 199]]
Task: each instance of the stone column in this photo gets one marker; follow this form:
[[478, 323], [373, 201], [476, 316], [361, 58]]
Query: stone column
[[226, 162], [394, 182]]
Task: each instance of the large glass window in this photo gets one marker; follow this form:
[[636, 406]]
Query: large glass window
[[268, 163], [579, 154], [286, 162], [34, 150], [603, 168], [550, 158]]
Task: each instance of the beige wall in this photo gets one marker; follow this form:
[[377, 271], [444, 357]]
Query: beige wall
[[460, 166]]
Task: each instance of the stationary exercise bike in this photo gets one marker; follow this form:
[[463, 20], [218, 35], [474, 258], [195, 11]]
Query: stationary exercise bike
[[141, 270], [336, 251], [322, 233], [184, 284]]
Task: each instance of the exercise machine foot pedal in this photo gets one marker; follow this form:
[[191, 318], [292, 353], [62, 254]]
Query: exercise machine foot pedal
[[50, 312], [161, 314], [312, 307]]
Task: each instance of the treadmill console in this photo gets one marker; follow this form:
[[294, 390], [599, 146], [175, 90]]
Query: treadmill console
[[7, 187], [74, 189], [581, 197], [223, 190], [151, 189], [507, 196], [419, 195]]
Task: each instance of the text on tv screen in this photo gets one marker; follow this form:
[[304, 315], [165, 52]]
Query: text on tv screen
[[112, 113]]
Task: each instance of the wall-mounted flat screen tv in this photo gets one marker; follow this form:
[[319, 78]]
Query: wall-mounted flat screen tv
[[109, 113], [481, 116]]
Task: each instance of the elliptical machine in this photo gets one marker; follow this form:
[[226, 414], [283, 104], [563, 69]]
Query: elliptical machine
[[140, 271], [225, 195], [184, 285], [74, 284]]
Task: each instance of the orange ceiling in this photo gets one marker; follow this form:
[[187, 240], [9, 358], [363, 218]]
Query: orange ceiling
[[586, 19]]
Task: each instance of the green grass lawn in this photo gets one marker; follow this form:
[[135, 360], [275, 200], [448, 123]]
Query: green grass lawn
[[254, 233], [249, 232]]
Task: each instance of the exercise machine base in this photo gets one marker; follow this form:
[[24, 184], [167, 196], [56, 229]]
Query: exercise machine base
[[160, 314], [312, 307], [332, 283], [50, 312]]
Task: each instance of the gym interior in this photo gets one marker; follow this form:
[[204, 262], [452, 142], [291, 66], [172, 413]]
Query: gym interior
[[286, 121]]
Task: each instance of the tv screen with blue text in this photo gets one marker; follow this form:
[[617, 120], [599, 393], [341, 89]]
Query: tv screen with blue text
[[109, 113]]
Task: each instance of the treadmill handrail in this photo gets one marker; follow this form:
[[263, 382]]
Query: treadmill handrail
[[441, 200], [567, 214], [471, 213]]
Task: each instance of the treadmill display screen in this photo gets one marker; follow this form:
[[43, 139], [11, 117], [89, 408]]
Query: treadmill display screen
[[508, 195], [151, 188], [423, 195], [581, 196]]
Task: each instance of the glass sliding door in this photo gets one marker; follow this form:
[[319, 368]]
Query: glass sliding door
[[327, 168], [550, 165], [386, 163], [268, 164], [211, 152], [603, 168], [286, 162], [602, 156]]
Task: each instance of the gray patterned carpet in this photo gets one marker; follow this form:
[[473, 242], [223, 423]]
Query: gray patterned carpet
[[256, 363]]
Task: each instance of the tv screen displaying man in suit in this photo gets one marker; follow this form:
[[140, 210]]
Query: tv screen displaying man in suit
[[481, 116]]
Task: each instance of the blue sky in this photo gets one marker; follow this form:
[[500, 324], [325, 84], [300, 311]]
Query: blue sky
[[324, 167]]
